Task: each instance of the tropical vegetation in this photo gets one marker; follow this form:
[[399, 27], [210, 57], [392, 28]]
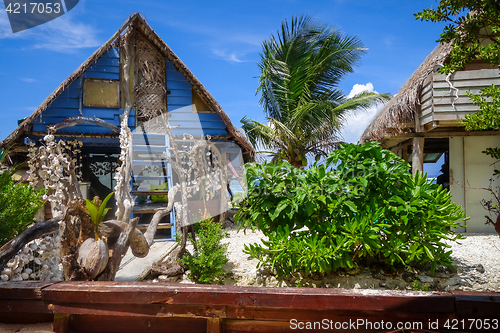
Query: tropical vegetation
[[368, 209], [18, 206], [300, 71]]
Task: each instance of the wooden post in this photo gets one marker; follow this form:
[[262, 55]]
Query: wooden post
[[417, 156], [214, 325], [61, 322]]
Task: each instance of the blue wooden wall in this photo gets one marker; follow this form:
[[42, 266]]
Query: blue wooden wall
[[179, 105], [69, 103]]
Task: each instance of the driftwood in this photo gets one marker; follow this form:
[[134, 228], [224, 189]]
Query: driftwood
[[37, 230]]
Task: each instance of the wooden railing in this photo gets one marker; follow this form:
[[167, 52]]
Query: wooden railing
[[148, 307]]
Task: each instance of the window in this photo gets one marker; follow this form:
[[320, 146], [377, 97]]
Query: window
[[101, 93]]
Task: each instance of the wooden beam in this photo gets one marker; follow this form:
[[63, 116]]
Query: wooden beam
[[441, 135], [417, 158]]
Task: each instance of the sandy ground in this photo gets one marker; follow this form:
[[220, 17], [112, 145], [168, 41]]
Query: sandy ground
[[477, 259], [34, 328]]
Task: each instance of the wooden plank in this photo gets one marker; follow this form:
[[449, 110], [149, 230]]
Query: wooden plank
[[107, 61], [466, 84], [468, 75], [477, 304], [448, 100], [198, 124], [89, 129], [440, 92], [23, 306], [303, 298], [103, 69], [173, 85], [113, 52], [23, 290], [175, 75], [23, 318], [95, 323], [179, 100], [180, 92], [189, 116], [135, 269], [205, 131], [70, 103], [458, 108], [100, 75]]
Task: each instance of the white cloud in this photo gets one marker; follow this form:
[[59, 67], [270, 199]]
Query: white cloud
[[359, 88], [65, 35], [356, 123], [27, 79], [227, 56], [62, 34]]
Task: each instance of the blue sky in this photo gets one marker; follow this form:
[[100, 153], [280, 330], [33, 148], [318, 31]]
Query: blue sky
[[219, 41]]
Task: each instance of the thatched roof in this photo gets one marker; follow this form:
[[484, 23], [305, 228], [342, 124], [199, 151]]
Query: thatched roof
[[136, 21], [398, 115]]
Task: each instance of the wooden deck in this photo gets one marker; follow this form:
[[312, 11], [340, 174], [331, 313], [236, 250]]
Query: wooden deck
[[135, 269], [155, 307]]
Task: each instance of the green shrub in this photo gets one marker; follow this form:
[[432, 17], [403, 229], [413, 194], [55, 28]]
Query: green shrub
[[368, 208], [205, 264], [18, 205]]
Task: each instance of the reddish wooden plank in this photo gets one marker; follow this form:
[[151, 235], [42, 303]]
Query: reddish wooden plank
[[23, 290], [23, 306], [477, 304], [153, 310], [240, 326], [374, 300], [284, 314], [22, 318], [94, 324]]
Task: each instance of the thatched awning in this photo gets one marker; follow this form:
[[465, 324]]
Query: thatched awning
[[398, 115], [136, 21]]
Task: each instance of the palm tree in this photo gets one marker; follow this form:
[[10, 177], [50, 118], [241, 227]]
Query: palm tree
[[300, 71]]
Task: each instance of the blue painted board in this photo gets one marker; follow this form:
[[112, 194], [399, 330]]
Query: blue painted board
[[61, 102], [180, 93], [175, 76], [169, 66], [71, 93], [113, 52], [205, 131], [104, 69], [172, 85], [83, 128], [184, 116], [107, 61], [100, 75], [198, 124], [179, 100]]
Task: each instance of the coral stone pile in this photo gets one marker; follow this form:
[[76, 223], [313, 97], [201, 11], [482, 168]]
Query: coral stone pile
[[38, 260]]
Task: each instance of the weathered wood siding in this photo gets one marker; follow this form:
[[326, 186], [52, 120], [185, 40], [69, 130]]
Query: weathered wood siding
[[437, 98], [70, 102], [180, 106]]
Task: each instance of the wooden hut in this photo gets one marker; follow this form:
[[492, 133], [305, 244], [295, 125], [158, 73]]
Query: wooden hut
[[159, 83], [420, 124]]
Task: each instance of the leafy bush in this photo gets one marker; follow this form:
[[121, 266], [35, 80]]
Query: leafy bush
[[368, 208], [18, 205], [205, 264]]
